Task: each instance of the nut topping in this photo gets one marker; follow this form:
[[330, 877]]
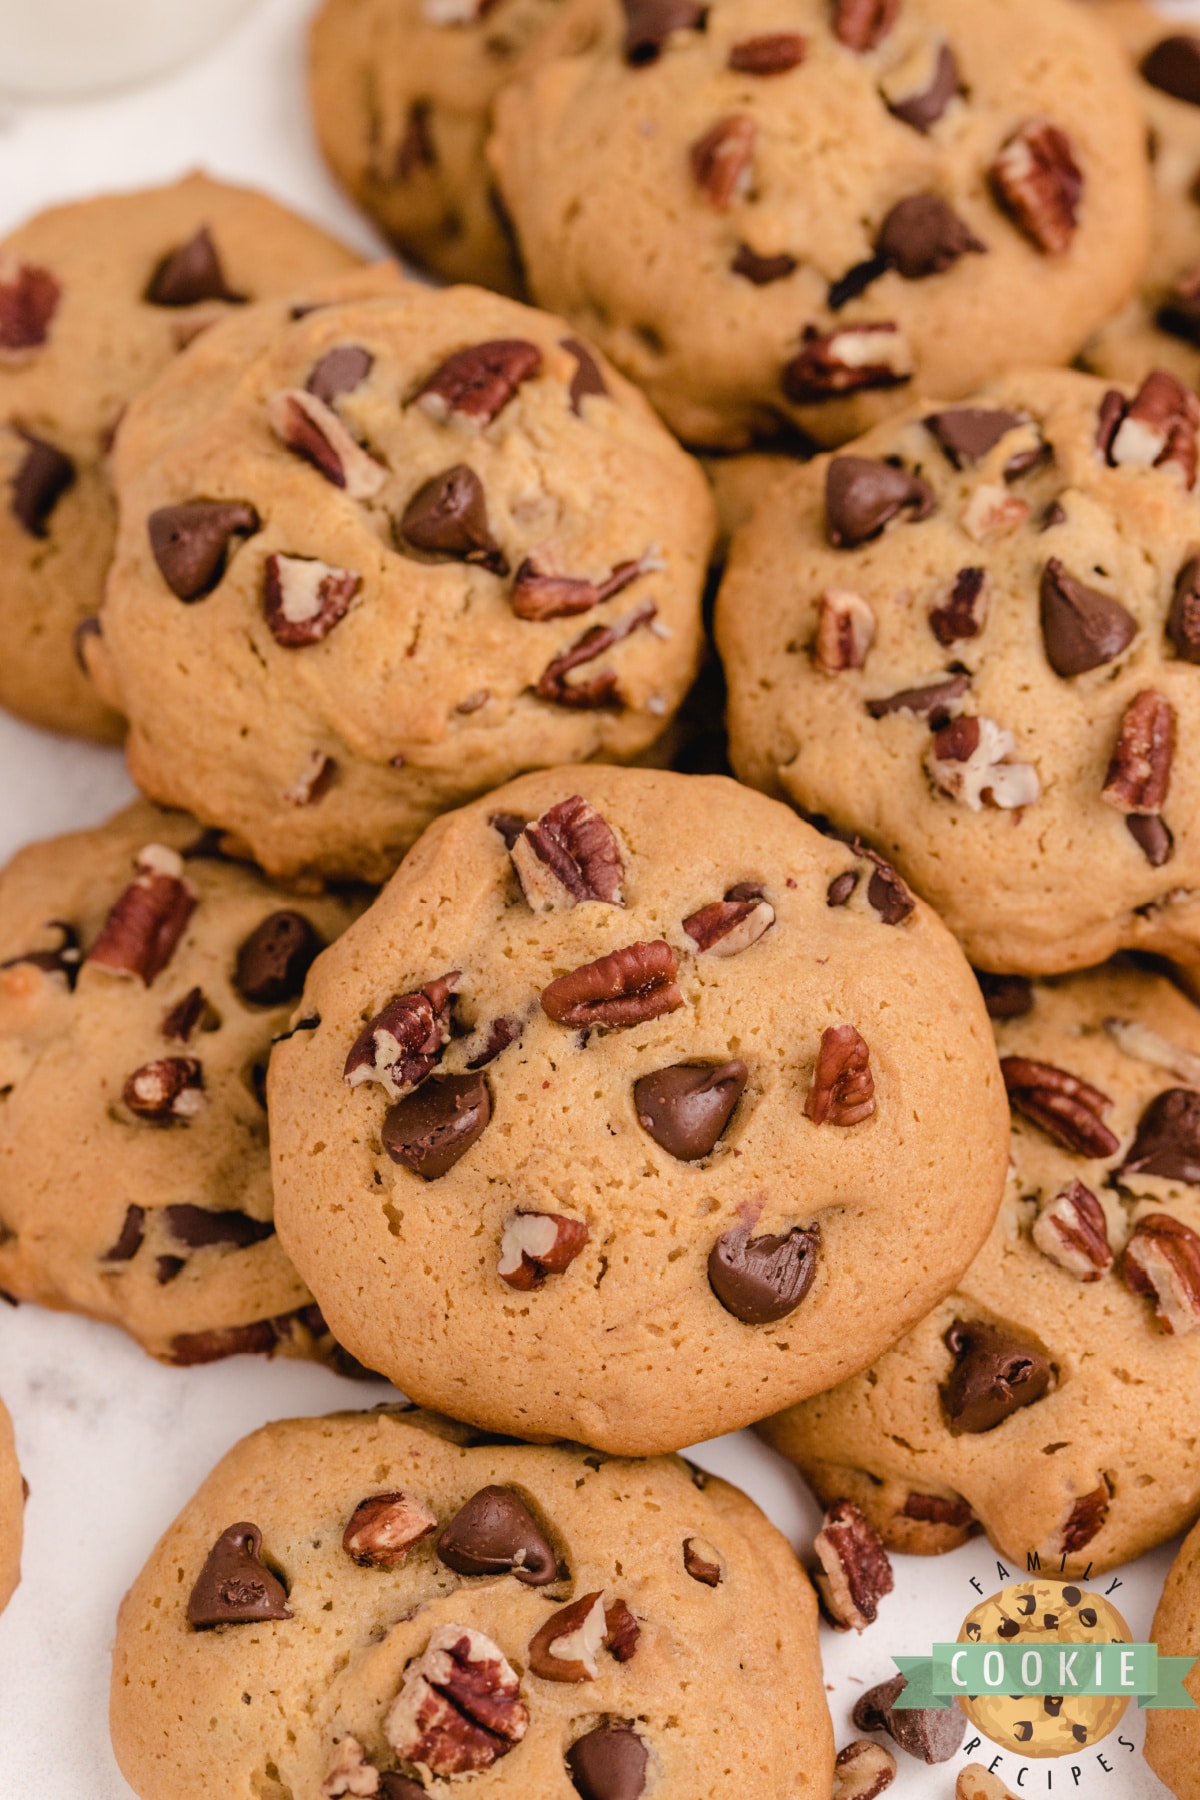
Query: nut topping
[[863, 495], [587, 378], [541, 593], [383, 1528], [727, 927], [843, 1088], [723, 160], [762, 1279], [42, 479], [569, 1643], [995, 1374], [1082, 628], [350, 1772], [1162, 1261], [187, 1015], [29, 298], [190, 273], [166, 1090], [303, 599], [1156, 429], [1168, 1138], [340, 371], [568, 857], [863, 24], [537, 1244], [1139, 775], [626, 987], [863, 1771], [1139, 1041], [686, 1108], [496, 1534], [770, 53], [235, 1587], [650, 23], [1072, 1231], [313, 781], [845, 628], [610, 1762], [1037, 181], [1067, 1109], [1085, 1520], [1183, 622], [472, 387], [963, 614], [141, 932], [459, 1709], [855, 1571], [702, 1562], [968, 761], [922, 85], [402, 1043], [311, 429], [848, 361], [602, 690], [431, 1130], [191, 543], [937, 701], [933, 1735]]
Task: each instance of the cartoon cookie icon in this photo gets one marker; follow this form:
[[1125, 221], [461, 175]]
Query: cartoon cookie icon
[[1044, 1615]]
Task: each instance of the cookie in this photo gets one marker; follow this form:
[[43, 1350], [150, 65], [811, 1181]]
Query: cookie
[[549, 1622], [971, 638], [804, 216], [1048, 1399], [143, 976], [607, 1135], [12, 1511], [1161, 324], [1173, 1736], [376, 560], [401, 94], [96, 298]]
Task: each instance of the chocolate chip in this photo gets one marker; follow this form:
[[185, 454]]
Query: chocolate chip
[[509, 825], [1183, 622], [496, 1534], [932, 702], [275, 958], [1082, 628], [923, 236], [430, 1130], [40, 482], [967, 433], [189, 274], [1173, 66], [842, 887], [63, 960], [932, 1734], [587, 378], [447, 517], [685, 1108], [199, 1227], [938, 1509], [995, 1374], [923, 109], [1168, 1138], [1179, 314], [1006, 996], [762, 270], [235, 1587], [416, 149], [399, 1787], [191, 1349], [1067, 1109], [540, 594], [760, 1280], [29, 298], [856, 281], [626, 987], [190, 543], [609, 1762], [1153, 837], [649, 23], [475, 385], [183, 1018], [770, 53], [339, 371], [863, 495], [862, 25], [129, 1241]]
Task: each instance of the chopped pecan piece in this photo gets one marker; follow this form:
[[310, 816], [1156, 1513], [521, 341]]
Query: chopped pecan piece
[[303, 599], [855, 1571], [626, 987], [588, 378], [472, 387], [383, 1528], [141, 932], [770, 53], [40, 482], [1082, 628], [1162, 1261], [1139, 774], [1156, 429], [190, 273], [992, 512], [568, 856], [1073, 1232], [763, 1279], [541, 593], [1168, 1138], [649, 24], [1036, 179], [313, 781], [723, 159], [843, 1087], [964, 613], [922, 85], [845, 628], [29, 298], [863, 1771], [311, 429], [968, 761], [1067, 1109], [459, 1709], [191, 543], [403, 1043], [1183, 622], [1138, 1040], [1085, 1520], [490, 1042], [937, 701], [862, 25], [702, 1562], [995, 1373], [350, 1772], [939, 1509], [172, 1088], [727, 927], [183, 1019], [602, 690], [568, 1645], [537, 1244], [862, 495], [831, 365]]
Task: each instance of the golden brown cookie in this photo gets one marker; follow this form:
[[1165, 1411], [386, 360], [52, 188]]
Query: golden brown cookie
[[1173, 1735]]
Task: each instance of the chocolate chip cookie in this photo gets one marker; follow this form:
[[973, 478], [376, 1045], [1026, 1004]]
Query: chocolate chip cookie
[[95, 299], [1048, 1400], [803, 215], [12, 1511], [625, 1094], [143, 976], [375, 1603], [971, 637], [1173, 1736], [378, 558]]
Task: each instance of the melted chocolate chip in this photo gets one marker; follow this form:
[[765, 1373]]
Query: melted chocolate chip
[[339, 371], [587, 378], [189, 274], [275, 958], [39, 484], [760, 1280], [198, 1227], [863, 495], [430, 1130], [1006, 996], [496, 1534], [923, 236], [967, 433], [1168, 1138], [1082, 628], [1183, 623], [930, 702], [130, 1240], [685, 1108], [609, 1762], [923, 110], [235, 1587], [447, 517], [649, 23], [1173, 66], [190, 543], [1153, 837], [995, 1374]]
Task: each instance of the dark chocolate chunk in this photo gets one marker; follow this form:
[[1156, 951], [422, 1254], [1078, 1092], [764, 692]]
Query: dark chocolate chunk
[[1168, 1138], [447, 517], [129, 1242], [275, 958], [1082, 628], [189, 274], [923, 110], [1006, 996], [762, 270], [995, 1374], [760, 1280], [190, 543], [862, 495], [587, 378], [685, 1108], [609, 1762], [967, 433], [923, 236], [930, 702], [39, 484], [198, 1227], [932, 1734], [339, 371], [429, 1130], [1173, 66], [235, 1587], [496, 1534]]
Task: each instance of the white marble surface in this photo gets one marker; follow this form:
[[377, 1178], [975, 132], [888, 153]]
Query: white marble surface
[[113, 1444]]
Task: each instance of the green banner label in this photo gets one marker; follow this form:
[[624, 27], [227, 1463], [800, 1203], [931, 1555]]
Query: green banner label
[[1135, 1670]]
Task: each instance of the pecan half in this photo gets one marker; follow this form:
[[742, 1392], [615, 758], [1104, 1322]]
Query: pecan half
[[703, 1562], [383, 1528], [863, 24], [858, 357], [29, 298], [141, 932], [922, 85], [602, 690], [303, 599], [626, 987], [845, 628], [967, 761], [769, 53], [404, 1042], [567, 857], [1139, 774], [1162, 1261], [1085, 1520], [1138, 1040], [311, 429], [763, 1279], [568, 1645], [723, 160], [1183, 621], [1168, 1138], [996, 1373], [1072, 1231], [1067, 1109], [862, 495], [963, 614], [1037, 181], [542, 593], [535, 1245], [1082, 628], [1156, 429], [472, 387], [843, 1087], [459, 1708], [191, 542], [170, 1089], [855, 1572], [863, 1771], [350, 1772], [727, 927]]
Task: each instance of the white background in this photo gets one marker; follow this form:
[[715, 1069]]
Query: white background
[[113, 1444]]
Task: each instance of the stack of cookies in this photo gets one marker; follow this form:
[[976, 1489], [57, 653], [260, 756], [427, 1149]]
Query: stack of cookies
[[430, 1016]]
